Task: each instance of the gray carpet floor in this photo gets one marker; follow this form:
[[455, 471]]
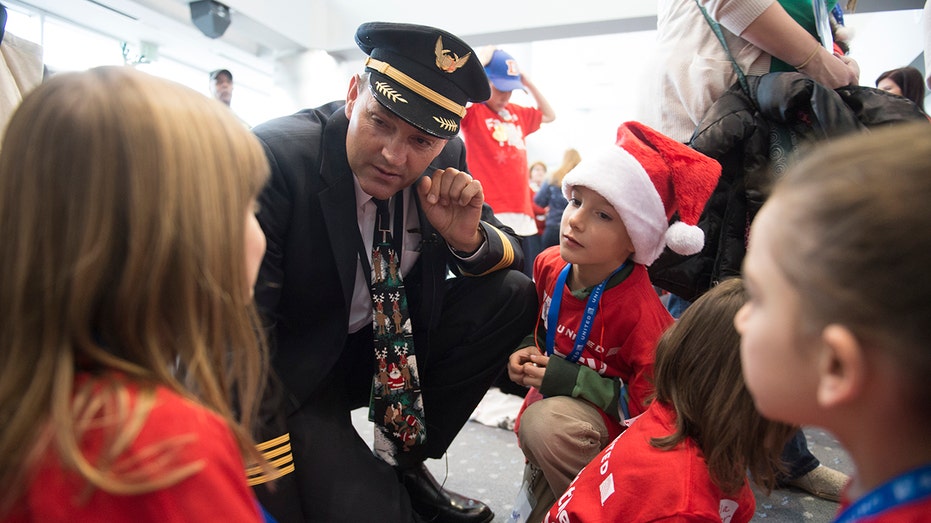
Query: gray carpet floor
[[485, 463]]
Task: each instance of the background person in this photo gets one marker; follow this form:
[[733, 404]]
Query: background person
[[221, 85], [531, 243], [21, 70], [692, 70], [551, 197], [904, 81], [495, 132]]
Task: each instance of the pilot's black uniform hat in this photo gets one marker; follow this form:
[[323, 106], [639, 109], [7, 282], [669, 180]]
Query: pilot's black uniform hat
[[423, 74]]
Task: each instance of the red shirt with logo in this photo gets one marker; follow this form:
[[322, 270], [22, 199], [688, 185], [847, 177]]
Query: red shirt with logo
[[631, 480]]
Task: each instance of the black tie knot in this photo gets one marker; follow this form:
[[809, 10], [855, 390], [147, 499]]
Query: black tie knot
[[383, 215]]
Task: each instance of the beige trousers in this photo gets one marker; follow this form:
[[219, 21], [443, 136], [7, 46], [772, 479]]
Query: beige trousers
[[559, 436]]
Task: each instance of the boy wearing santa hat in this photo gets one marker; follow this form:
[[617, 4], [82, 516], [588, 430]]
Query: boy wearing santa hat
[[590, 360]]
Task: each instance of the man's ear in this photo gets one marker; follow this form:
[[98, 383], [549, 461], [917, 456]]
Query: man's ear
[[352, 94], [842, 367]]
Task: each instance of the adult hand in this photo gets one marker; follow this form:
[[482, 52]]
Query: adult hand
[[832, 70], [526, 366], [452, 201]]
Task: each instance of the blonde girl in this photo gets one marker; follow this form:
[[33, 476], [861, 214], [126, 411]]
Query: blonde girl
[[550, 196], [837, 328], [129, 359]]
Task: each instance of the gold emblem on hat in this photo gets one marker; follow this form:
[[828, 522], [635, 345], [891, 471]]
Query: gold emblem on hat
[[447, 60], [447, 124], [388, 92]]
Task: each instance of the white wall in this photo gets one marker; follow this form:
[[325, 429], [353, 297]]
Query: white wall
[[593, 82]]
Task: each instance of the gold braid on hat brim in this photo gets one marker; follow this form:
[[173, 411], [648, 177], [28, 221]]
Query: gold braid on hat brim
[[419, 88]]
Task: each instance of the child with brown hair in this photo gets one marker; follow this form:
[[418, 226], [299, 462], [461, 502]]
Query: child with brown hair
[[590, 360], [130, 362], [837, 327], [688, 455]]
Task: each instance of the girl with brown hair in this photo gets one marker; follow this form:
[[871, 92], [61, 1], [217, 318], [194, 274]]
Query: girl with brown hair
[[836, 330], [129, 357], [687, 456]]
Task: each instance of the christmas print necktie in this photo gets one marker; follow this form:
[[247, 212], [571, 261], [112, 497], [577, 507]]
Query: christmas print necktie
[[396, 407]]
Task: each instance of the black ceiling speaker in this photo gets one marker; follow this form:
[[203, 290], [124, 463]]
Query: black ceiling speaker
[[212, 18]]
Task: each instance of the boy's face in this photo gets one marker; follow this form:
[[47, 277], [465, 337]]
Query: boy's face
[[779, 366], [592, 232], [498, 99]]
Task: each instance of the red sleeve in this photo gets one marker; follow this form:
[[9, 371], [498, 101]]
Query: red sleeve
[[219, 491], [216, 492], [530, 118]]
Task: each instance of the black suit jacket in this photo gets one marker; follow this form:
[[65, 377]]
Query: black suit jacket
[[308, 214]]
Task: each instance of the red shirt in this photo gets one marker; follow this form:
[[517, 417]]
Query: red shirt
[[217, 492], [497, 155], [624, 332], [631, 480]]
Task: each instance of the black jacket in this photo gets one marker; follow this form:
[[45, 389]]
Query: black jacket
[[754, 137], [308, 214]]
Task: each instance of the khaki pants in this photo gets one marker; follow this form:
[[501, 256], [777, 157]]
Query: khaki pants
[[559, 436]]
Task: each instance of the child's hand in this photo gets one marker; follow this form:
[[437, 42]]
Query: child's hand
[[527, 366]]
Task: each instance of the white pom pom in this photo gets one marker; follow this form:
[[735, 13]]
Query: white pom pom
[[685, 239]]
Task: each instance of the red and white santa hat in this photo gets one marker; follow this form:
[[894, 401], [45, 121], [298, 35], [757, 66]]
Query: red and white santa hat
[[647, 177]]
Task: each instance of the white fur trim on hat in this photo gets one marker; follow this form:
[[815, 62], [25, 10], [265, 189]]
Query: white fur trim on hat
[[617, 176]]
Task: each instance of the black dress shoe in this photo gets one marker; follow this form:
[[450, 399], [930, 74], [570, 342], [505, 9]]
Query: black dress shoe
[[436, 505]]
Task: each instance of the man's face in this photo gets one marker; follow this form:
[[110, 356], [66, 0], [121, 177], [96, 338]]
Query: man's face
[[385, 152], [221, 88]]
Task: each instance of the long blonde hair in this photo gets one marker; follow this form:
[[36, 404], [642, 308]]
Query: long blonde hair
[[122, 206], [570, 159]]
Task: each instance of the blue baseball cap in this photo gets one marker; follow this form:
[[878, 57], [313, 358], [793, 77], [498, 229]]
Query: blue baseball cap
[[502, 71]]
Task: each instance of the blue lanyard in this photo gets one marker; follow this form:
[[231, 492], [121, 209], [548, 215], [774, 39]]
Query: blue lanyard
[[585, 328], [911, 486]]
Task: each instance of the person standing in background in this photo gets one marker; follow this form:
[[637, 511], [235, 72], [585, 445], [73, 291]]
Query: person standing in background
[[926, 31], [221, 88], [904, 81], [551, 197], [692, 69], [494, 132], [532, 243], [537, 174], [21, 70], [221, 85]]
